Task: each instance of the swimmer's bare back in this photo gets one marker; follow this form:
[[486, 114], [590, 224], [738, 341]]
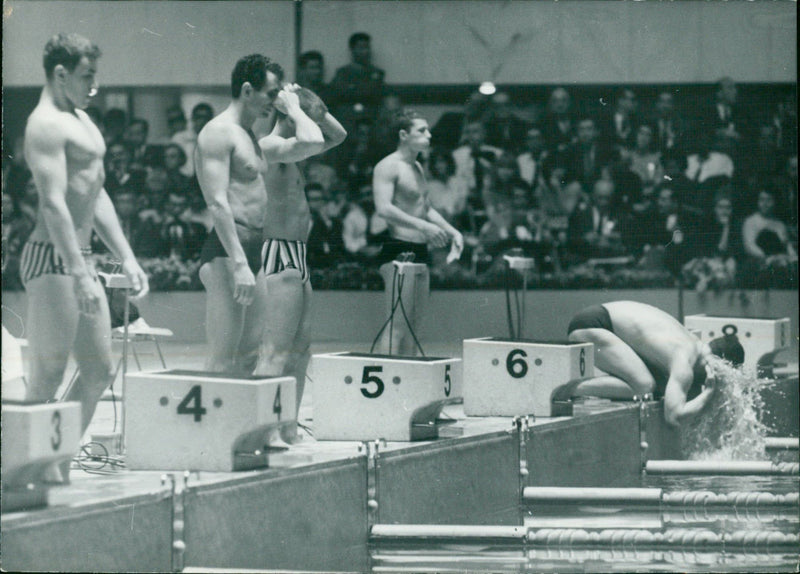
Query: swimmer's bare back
[[288, 216], [653, 334]]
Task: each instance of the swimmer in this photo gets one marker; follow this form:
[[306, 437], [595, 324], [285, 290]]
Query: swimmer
[[401, 198], [646, 351], [303, 128], [67, 306], [229, 169]]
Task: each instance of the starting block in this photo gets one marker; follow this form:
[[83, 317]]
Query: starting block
[[195, 420], [761, 338], [506, 377], [361, 396], [35, 437]]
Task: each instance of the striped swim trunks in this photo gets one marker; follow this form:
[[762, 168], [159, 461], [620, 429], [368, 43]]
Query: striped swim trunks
[[40, 258], [281, 254]]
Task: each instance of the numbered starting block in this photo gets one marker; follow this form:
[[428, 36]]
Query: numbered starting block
[[760, 338], [35, 438], [361, 396], [505, 377], [195, 420]]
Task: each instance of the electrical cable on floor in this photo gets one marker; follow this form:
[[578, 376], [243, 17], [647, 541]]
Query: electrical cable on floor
[[104, 464]]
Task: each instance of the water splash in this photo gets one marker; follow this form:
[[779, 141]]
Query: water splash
[[729, 428]]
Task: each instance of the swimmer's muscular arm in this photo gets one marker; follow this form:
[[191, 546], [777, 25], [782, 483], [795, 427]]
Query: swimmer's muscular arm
[[45, 152], [332, 132], [214, 148], [677, 410], [750, 231], [108, 228], [383, 184], [307, 141]]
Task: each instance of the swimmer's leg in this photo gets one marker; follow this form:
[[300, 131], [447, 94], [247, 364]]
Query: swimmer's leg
[[52, 325], [93, 355], [281, 323], [301, 355], [415, 290], [224, 317], [253, 328], [604, 386], [615, 357]]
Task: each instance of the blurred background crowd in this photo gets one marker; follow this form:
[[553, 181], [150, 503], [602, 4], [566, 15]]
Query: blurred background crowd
[[639, 184]]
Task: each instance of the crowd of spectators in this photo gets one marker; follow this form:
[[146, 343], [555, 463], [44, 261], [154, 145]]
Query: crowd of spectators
[[707, 195]]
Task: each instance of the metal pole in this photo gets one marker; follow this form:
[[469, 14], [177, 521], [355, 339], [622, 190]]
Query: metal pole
[[125, 322], [721, 467], [298, 34]]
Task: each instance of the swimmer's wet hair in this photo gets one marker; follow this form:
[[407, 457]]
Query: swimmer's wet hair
[[67, 50], [404, 120], [253, 70]]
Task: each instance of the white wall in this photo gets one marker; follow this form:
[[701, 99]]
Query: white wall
[[543, 42], [152, 43]]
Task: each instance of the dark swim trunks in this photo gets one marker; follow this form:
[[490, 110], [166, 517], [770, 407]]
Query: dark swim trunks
[[594, 317], [250, 238], [392, 248]]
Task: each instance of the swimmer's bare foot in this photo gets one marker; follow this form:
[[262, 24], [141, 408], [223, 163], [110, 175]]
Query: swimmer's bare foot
[[292, 436]]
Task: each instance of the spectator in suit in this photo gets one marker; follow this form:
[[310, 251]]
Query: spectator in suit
[[120, 176], [325, 240], [202, 113], [586, 158], [669, 125], [764, 161], [595, 230], [311, 72], [643, 159], [720, 236], [115, 121], [618, 128], [135, 138], [357, 88], [474, 161], [505, 129], [724, 114], [176, 120], [530, 160], [786, 197], [559, 121], [669, 234]]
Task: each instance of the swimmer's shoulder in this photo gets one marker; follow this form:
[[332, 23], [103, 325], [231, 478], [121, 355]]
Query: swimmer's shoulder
[[47, 125], [388, 166], [218, 134]]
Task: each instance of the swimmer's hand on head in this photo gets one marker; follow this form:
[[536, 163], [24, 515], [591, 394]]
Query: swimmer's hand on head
[[244, 283], [287, 101], [138, 278]]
